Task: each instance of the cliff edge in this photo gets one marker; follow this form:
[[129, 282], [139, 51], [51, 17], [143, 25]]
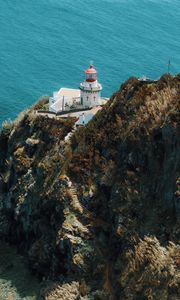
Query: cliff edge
[[98, 215]]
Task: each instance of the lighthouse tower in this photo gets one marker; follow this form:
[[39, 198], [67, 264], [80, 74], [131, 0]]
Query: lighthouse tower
[[90, 88]]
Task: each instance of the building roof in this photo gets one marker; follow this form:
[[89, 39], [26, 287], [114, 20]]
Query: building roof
[[71, 93], [84, 118]]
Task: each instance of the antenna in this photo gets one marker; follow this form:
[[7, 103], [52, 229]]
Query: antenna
[[169, 65]]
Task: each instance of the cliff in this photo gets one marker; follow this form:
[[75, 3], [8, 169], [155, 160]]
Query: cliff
[[98, 216]]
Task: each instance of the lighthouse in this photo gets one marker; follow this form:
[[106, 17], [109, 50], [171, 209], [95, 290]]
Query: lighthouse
[[90, 89], [87, 96]]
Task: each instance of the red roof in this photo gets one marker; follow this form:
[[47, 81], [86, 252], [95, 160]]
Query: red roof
[[91, 70]]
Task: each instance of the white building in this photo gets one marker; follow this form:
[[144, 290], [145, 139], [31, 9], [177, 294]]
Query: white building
[[64, 99], [87, 96]]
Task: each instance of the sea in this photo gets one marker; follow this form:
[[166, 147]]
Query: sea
[[47, 44]]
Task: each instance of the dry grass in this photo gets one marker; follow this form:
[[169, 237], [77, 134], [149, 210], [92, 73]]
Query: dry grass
[[66, 291], [151, 269], [156, 111]]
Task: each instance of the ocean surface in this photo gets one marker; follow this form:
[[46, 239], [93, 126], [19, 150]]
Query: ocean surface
[[47, 44]]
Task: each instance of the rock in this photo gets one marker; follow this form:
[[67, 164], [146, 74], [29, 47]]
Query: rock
[[32, 142]]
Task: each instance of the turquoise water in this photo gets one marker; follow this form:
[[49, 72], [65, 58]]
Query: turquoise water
[[47, 44]]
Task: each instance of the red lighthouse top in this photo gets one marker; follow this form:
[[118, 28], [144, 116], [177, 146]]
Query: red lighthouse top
[[90, 74], [91, 70]]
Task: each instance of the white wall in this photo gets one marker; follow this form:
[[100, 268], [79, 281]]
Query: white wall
[[51, 102], [91, 99]]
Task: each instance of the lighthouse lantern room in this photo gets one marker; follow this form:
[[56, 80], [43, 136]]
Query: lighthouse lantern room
[[90, 88]]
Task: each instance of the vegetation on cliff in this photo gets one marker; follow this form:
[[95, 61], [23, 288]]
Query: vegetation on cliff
[[98, 216]]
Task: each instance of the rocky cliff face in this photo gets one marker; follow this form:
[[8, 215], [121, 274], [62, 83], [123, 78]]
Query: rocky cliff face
[[98, 216]]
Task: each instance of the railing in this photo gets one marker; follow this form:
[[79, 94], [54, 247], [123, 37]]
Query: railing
[[91, 89]]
